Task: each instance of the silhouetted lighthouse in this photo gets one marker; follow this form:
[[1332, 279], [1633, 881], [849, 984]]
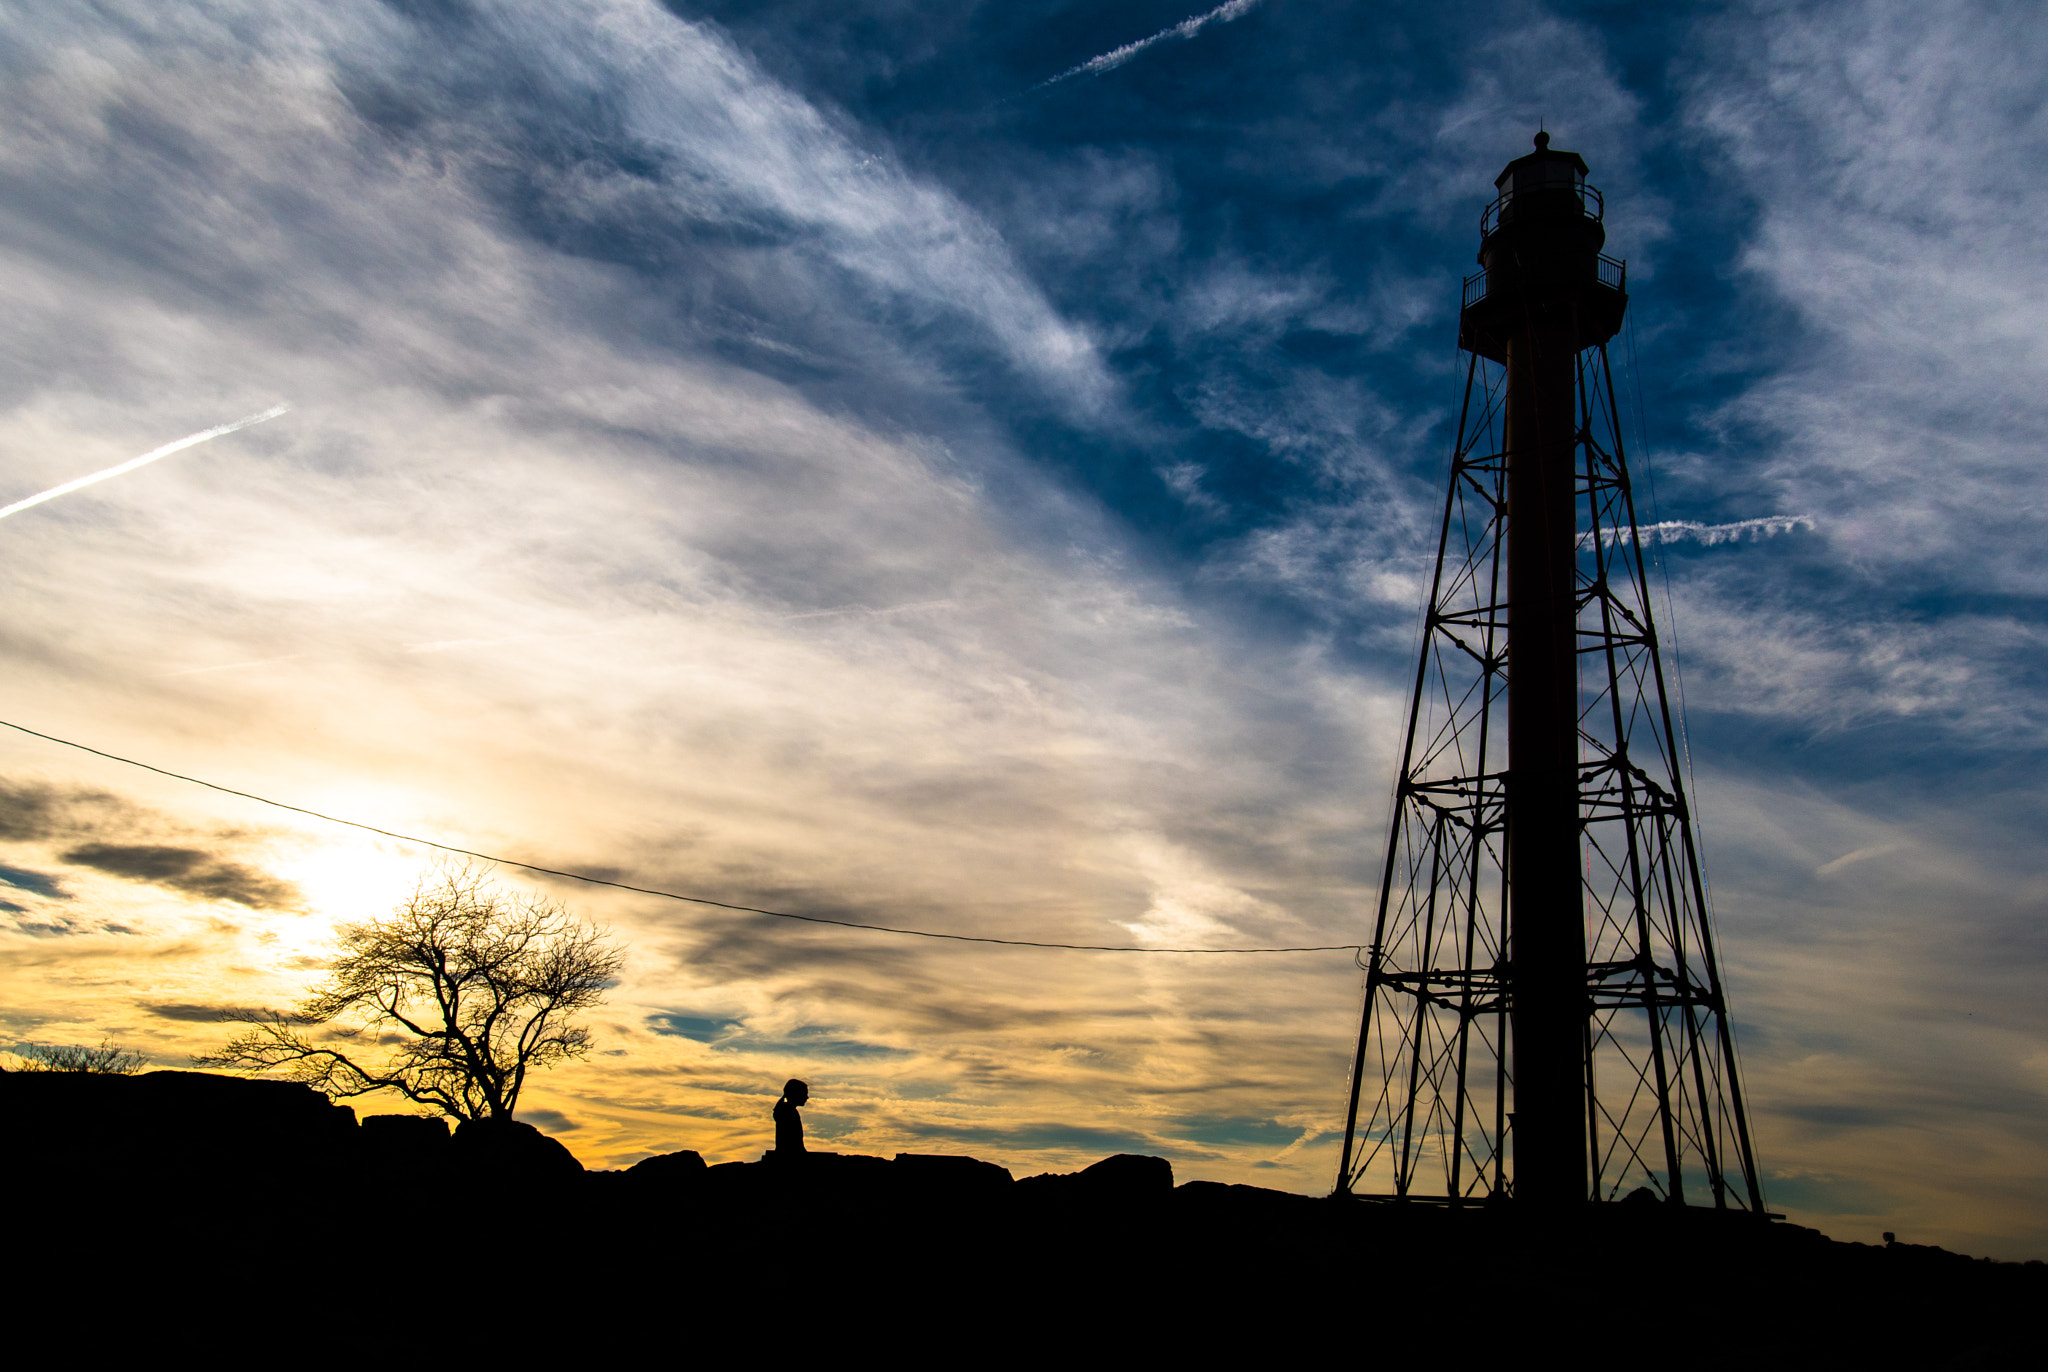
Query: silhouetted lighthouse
[[1543, 1015]]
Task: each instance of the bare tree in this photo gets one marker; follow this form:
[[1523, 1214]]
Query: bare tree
[[466, 990], [76, 1057]]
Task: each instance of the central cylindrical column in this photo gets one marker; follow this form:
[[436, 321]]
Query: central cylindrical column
[[1545, 909], [1547, 295]]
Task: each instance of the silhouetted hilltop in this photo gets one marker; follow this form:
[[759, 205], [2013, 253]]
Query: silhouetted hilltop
[[189, 1175], [182, 1128]]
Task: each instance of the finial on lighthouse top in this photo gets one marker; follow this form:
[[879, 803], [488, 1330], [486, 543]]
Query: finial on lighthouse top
[[1542, 169]]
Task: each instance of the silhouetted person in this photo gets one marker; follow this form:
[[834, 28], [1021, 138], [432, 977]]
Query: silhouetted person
[[789, 1125]]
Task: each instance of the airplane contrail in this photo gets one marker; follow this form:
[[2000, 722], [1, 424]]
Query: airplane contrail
[[1687, 530], [152, 455], [1186, 28]]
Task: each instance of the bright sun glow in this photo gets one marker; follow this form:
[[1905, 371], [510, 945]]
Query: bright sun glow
[[349, 880]]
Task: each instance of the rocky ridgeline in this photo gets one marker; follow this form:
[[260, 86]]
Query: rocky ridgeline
[[190, 1176], [185, 1134]]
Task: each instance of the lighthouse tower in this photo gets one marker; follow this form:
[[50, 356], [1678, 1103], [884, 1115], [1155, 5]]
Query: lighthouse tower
[[1543, 1014]]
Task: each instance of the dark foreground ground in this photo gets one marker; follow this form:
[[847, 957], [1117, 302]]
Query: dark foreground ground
[[248, 1215]]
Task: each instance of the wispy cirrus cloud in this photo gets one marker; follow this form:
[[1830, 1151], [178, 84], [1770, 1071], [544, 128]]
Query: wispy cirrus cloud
[[1834, 865], [801, 623], [1880, 145]]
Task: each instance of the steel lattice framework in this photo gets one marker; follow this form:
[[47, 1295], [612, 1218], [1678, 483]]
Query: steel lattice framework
[[1432, 1087]]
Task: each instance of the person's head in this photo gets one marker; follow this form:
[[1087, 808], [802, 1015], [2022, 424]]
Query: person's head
[[795, 1092]]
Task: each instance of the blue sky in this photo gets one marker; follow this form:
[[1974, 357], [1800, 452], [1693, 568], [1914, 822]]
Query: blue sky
[[807, 455]]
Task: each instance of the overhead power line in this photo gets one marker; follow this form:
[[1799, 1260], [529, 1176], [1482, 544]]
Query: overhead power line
[[649, 890]]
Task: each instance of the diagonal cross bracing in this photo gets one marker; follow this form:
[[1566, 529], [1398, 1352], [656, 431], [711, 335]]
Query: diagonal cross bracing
[[1432, 1095]]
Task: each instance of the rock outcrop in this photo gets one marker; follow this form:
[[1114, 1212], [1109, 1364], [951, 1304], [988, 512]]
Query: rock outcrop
[[186, 1131], [670, 1170], [510, 1151], [1123, 1177]]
